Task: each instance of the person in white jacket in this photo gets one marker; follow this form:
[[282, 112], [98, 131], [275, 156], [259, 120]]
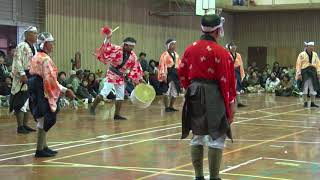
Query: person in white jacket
[[272, 83]]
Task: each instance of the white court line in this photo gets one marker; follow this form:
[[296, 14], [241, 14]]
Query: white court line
[[276, 146], [290, 160], [85, 140], [250, 119], [112, 147], [242, 164], [234, 141], [78, 145], [270, 125], [275, 107], [29, 144], [297, 121]]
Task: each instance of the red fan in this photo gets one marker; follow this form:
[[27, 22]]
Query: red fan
[[106, 30]]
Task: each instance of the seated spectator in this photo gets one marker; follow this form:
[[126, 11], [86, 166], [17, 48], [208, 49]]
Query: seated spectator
[[83, 92], [254, 83], [263, 78], [93, 85], [144, 65], [285, 88], [153, 77], [143, 61], [276, 69], [76, 80], [5, 91], [62, 78], [272, 83], [9, 58], [4, 72], [267, 69]]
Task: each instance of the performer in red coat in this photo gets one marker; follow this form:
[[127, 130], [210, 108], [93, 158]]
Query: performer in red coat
[[207, 73], [122, 63]]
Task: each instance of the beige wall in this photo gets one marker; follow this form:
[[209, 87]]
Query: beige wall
[[277, 30], [75, 25]]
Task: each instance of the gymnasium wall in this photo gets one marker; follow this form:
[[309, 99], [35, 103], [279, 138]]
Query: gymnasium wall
[[282, 32], [76, 25]]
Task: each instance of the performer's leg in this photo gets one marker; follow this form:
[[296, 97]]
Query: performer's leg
[[239, 103], [42, 148], [120, 89], [173, 94], [313, 94], [25, 122], [197, 143], [165, 101], [215, 155], [95, 103], [305, 92], [21, 130], [105, 91]]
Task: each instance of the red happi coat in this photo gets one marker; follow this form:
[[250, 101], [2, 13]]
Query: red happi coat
[[110, 54], [205, 59]]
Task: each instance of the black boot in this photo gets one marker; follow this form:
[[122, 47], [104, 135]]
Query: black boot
[[29, 128], [314, 105], [168, 110], [119, 118], [92, 110], [22, 130], [50, 151], [240, 105], [173, 109], [43, 153], [200, 178]]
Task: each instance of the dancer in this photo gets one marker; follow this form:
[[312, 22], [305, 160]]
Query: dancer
[[308, 70], [168, 74], [123, 63], [19, 102], [207, 73], [44, 91]]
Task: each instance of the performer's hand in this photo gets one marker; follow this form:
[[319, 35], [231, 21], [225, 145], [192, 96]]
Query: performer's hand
[[70, 94], [300, 77], [233, 109], [142, 81], [24, 79]]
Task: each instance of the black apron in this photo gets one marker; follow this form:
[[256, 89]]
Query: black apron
[[172, 75]]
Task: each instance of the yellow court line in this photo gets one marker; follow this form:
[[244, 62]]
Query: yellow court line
[[229, 152], [102, 149]]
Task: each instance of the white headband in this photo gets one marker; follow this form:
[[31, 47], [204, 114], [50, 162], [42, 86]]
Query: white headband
[[29, 29], [129, 43], [211, 29], [168, 45], [44, 40], [309, 43]]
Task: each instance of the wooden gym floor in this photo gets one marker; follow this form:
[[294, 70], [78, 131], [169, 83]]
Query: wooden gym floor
[[275, 138]]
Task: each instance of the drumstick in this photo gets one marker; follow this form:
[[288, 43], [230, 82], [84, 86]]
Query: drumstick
[[114, 30]]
